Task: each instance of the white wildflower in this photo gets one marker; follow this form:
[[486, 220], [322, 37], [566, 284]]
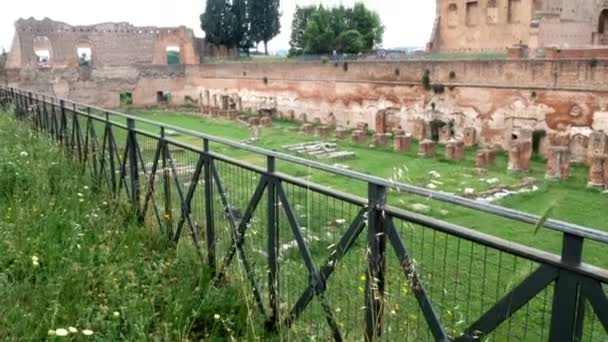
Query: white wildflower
[[61, 332], [23, 154], [35, 261], [52, 332], [73, 330], [116, 314], [87, 332]]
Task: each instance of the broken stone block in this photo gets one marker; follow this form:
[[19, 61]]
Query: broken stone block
[[307, 128], [485, 158], [233, 115], [254, 121], [558, 163], [381, 122], [454, 150], [606, 172], [520, 155], [597, 172], [557, 138], [331, 120], [316, 121], [403, 143], [322, 131], [598, 144], [342, 133], [266, 121], [419, 130], [380, 139], [427, 148], [445, 134], [291, 115], [470, 137], [398, 131], [359, 136], [362, 126]]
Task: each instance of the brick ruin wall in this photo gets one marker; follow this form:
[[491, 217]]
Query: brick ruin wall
[[110, 44], [496, 98], [482, 25]]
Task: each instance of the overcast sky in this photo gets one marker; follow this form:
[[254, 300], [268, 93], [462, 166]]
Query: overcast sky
[[408, 23]]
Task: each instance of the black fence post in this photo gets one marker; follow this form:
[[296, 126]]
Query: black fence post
[[376, 250], [111, 155], [54, 129], [62, 122], [568, 305], [34, 112], [133, 167], [29, 107], [211, 256], [168, 214], [273, 247], [45, 114]]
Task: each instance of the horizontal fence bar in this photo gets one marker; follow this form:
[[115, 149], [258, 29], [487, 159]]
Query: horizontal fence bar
[[497, 243]]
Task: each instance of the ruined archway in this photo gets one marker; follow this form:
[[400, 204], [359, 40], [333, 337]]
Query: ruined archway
[[43, 50], [84, 52]]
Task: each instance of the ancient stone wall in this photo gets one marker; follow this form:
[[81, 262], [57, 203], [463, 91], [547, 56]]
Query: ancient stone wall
[[494, 99], [51, 44], [482, 25]]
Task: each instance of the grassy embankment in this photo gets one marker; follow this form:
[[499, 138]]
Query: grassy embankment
[[72, 257]]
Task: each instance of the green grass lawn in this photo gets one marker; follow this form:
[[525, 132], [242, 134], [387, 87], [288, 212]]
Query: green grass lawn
[[463, 279], [571, 200]]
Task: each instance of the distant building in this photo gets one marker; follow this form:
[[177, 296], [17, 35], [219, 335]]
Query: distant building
[[485, 25]]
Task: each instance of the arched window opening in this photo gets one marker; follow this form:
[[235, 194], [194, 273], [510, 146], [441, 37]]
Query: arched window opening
[[173, 55], [43, 51], [84, 53], [603, 24]]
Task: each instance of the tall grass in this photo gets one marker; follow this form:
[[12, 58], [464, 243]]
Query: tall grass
[[73, 260]]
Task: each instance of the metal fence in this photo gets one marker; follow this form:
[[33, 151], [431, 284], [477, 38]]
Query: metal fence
[[321, 263]]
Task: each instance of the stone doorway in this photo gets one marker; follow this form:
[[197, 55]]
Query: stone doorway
[[436, 126]]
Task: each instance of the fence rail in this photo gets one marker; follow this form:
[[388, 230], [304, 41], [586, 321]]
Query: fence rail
[[308, 251]]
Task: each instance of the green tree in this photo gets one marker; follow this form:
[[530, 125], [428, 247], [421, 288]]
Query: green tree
[[298, 27], [219, 22], [3, 58], [368, 23], [319, 36], [350, 41], [318, 30], [265, 22], [241, 35]]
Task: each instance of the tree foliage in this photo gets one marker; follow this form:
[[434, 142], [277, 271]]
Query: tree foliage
[[298, 26], [218, 22], [265, 20], [3, 58], [240, 23], [320, 30]]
